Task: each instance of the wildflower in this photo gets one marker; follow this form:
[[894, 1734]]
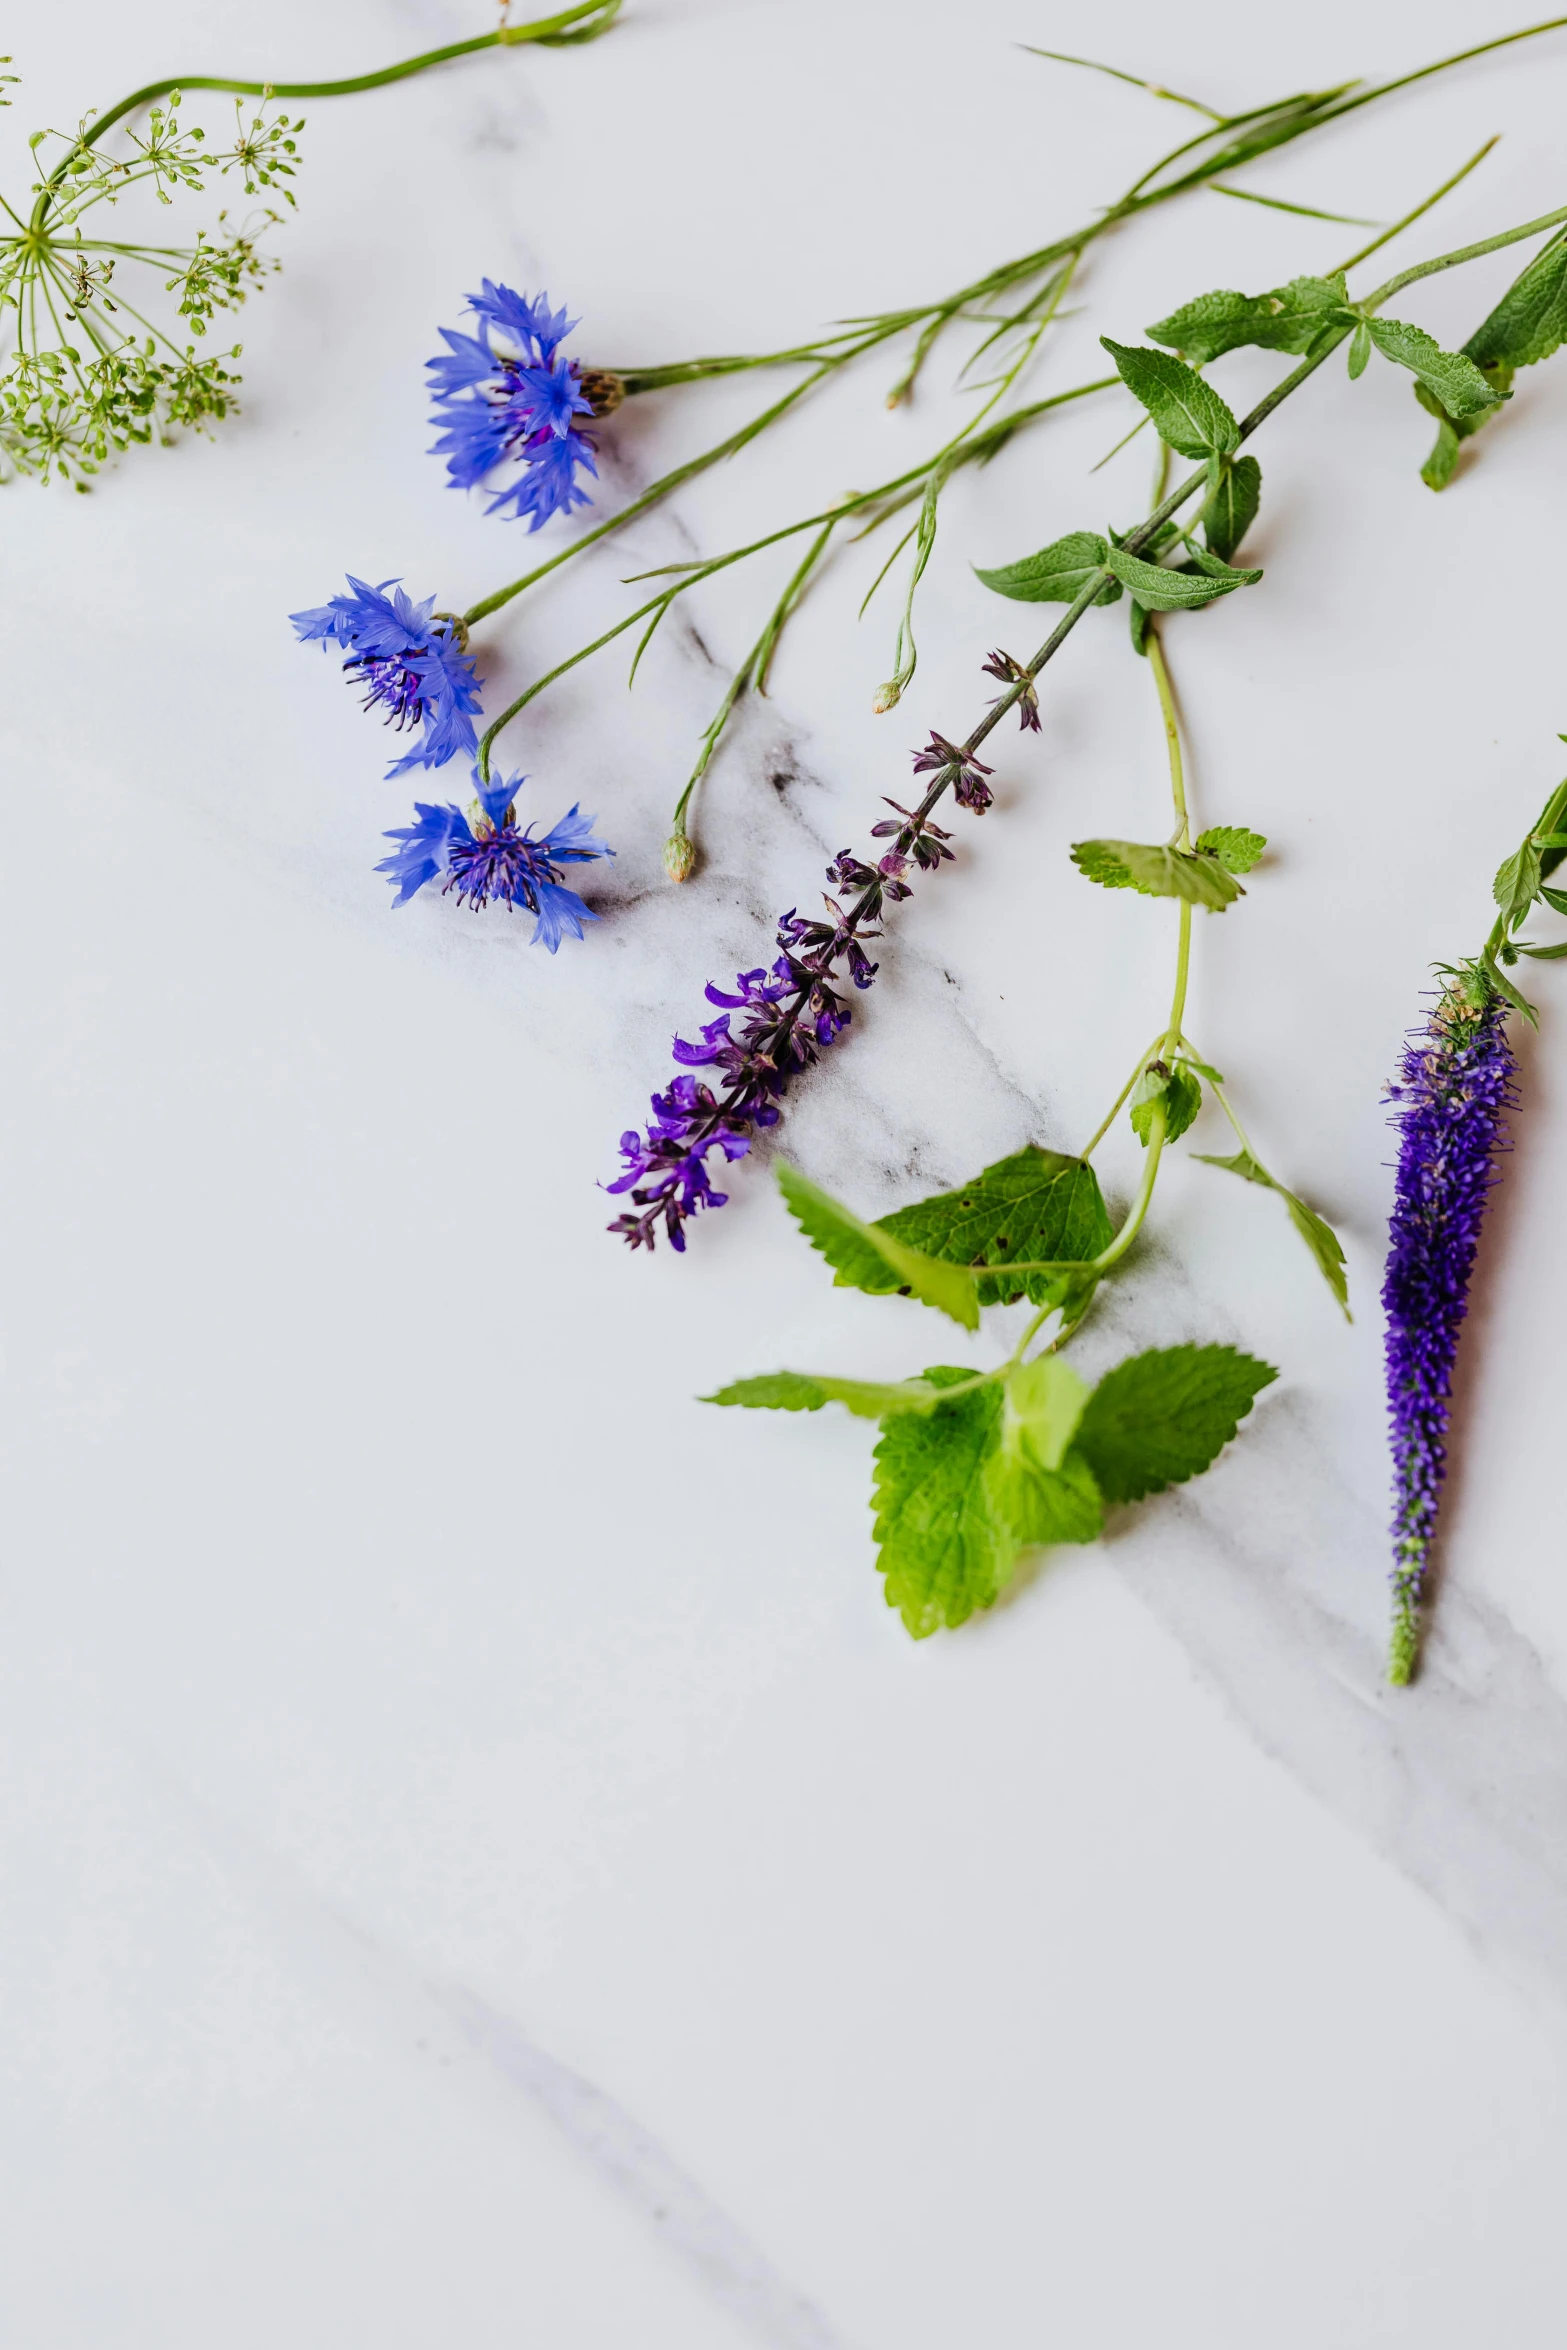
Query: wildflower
[[515, 400], [412, 662], [1012, 673], [969, 787], [489, 857], [1455, 1081]]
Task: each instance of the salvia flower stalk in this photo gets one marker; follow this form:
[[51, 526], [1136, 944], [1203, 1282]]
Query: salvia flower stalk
[[1455, 1084]]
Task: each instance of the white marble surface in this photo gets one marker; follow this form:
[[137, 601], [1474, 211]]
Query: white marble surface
[[483, 1865]]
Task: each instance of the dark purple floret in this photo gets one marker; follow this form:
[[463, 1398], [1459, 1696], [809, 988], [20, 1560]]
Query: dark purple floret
[[967, 774], [1010, 673], [1455, 1082]]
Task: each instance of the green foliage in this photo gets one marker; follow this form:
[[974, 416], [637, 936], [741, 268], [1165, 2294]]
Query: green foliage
[[1036, 1207], [945, 1540], [1161, 590], [1043, 1403], [1058, 574], [1231, 505], [1289, 319], [1236, 849], [1176, 1090], [1159, 871], [1448, 375], [1530, 321], [1314, 1230], [863, 1256], [1187, 413], [802, 1391], [1517, 884], [1162, 1417]]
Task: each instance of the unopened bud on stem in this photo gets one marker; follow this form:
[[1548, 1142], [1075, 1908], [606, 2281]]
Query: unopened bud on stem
[[680, 856]]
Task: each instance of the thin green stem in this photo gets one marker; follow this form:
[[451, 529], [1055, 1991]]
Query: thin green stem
[[1172, 735], [1133, 1224], [1419, 212], [1114, 1111]]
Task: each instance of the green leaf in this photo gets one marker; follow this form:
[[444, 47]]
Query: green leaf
[[864, 1257], [1159, 590], [1544, 954], [1231, 506], [1517, 884], [1236, 849], [1042, 1506], [1187, 413], [1058, 574], [802, 1391], [1180, 1094], [1158, 871], [1440, 466], [1530, 320], [1314, 1230], [1289, 319], [1506, 990], [1556, 898], [945, 1537], [1036, 1207], [1040, 1410], [1162, 1417], [1454, 379]]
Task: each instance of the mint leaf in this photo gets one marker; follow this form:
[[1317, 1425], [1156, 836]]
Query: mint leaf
[[1177, 1089], [1161, 1417], [1236, 849], [1159, 590], [1315, 1230], [945, 1541], [1289, 319], [1058, 574], [1041, 1407], [1440, 466], [1530, 320], [1231, 506], [1187, 413], [1043, 1506], [1158, 871], [864, 1257], [1454, 379], [1517, 884], [1036, 1207], [801, 1391]]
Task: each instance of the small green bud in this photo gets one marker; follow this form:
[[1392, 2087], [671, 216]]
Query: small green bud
[[888, 697], [680, 856]]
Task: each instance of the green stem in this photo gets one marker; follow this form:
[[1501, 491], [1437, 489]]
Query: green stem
[[583, 22]]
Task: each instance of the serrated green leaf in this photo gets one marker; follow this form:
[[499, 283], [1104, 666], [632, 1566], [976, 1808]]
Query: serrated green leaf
[[802, 1391], [1236, 848], [1158, 871], [945, 1539], [1289, 319], [1180, 1094], [1161, 1417], [1036, 1207], [1455, 379], [1517, 884], [1058, 574], [1041, 1406], [1530, 320], [1315, 1230], [1231, 505], [1188, 414], [863, 1256], [1160, 590]]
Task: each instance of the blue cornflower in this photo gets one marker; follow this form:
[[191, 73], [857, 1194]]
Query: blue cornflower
[[516, 400], [415, 667], [490, 858]]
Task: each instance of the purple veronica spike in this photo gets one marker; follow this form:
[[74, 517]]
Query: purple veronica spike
[[1455, 1082], [413, 665], [491, 858], [514, 400]]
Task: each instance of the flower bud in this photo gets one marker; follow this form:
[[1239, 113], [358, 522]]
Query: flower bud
[[888, 697], [680, 856]]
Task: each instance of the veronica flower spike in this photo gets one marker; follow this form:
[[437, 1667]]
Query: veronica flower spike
[[412, 661], [485, 855], [505, 395], [1455, 1083]]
